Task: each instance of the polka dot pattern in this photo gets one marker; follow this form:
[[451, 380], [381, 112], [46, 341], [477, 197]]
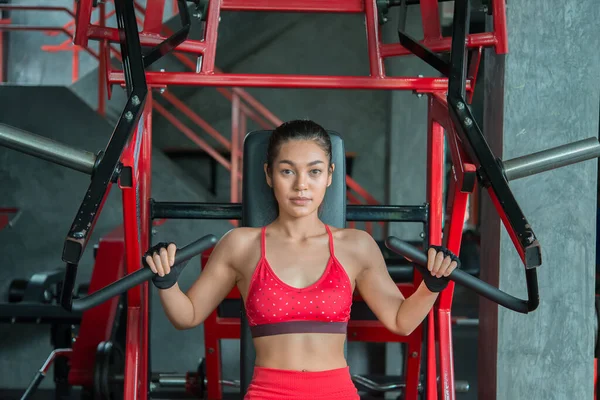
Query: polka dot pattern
[[270, 300]]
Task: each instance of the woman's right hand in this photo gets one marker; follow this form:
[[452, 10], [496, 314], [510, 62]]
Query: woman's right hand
[[160, 258]]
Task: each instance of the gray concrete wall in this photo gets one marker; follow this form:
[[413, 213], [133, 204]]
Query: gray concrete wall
[[28, 64], [49, 195], [543, 94]]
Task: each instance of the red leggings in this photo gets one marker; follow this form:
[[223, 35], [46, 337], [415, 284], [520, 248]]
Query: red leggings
[[278, 384]]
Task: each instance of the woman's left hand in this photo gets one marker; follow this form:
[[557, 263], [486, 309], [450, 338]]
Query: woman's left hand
[[441, 261]]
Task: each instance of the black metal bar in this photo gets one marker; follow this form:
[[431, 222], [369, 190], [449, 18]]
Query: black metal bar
[[477, 285], [424, 53], [131, 48], [170, 43], [247, 353], [177, 210], [142, 275], [492, 175], [387, 213], [478, 149], [109, 167], [61, 337], [180, 210], [37, 313], [458, 56]]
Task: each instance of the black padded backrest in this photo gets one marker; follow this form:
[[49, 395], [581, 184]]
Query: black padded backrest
[[259, 207]]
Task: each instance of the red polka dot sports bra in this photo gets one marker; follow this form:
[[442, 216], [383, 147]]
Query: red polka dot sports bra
[[274, 307]]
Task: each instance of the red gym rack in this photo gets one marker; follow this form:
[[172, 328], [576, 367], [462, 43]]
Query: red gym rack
[[127, 160], [435, 88], [136, 160]]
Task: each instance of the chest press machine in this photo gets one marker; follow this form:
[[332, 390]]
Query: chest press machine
[[127, 159]]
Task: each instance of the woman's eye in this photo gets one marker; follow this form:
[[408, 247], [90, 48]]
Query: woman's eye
[[286, 171], [315, 171]]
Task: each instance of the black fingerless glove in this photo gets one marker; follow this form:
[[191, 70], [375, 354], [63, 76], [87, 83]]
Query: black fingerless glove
[[170, 279], [434, 283]]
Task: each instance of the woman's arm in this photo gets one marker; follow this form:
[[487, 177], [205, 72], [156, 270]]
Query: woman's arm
[[216, 280], [399, 315]]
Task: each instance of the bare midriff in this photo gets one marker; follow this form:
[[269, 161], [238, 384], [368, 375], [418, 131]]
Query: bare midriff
[[301, 351]]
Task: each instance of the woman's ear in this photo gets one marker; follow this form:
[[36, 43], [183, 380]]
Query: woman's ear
[[268, 176], [330, 177]]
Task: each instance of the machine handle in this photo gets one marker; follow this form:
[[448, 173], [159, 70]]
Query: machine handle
[[480, 287], [142, 275]]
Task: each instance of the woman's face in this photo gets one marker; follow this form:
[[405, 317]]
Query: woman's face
[[300, 177]]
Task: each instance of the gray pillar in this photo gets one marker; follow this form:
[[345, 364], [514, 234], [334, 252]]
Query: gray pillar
[[544, 93]]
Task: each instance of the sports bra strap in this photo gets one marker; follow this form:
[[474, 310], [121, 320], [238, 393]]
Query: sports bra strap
[[330, 239], [263, 240]]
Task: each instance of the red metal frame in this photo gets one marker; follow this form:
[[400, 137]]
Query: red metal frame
[[456, 206], [163, 79], [439, 326], [153, 21], [7, 215], [96, 32], [435, 188], [83, 17], [308, 6], [118, 254], [136, 217], [3, 21], [138, 153], [96, 323]]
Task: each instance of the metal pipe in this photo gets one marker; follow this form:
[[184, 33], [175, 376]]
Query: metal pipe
[[372, 385], [465, 321], [553, 158], [47, 149], [460, 386], [179, 380]]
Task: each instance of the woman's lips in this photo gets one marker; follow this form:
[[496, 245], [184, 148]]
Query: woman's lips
[[300, 201]]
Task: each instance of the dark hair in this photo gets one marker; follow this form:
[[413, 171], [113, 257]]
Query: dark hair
[[297, 130]]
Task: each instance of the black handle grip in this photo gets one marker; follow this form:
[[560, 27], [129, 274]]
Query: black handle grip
[[141, 275], [480, 287]]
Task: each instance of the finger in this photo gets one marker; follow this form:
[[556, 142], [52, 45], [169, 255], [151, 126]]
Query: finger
[[439, 258], [430, 258], [164, 259], [150, 263], [171, 249], [158, 263], [445, 264], [451, 268]]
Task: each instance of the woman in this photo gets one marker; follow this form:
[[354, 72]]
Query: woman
[[296, 277]]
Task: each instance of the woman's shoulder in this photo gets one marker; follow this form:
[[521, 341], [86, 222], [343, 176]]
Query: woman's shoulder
[[241, 236], [238, 243], [356, 238]]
